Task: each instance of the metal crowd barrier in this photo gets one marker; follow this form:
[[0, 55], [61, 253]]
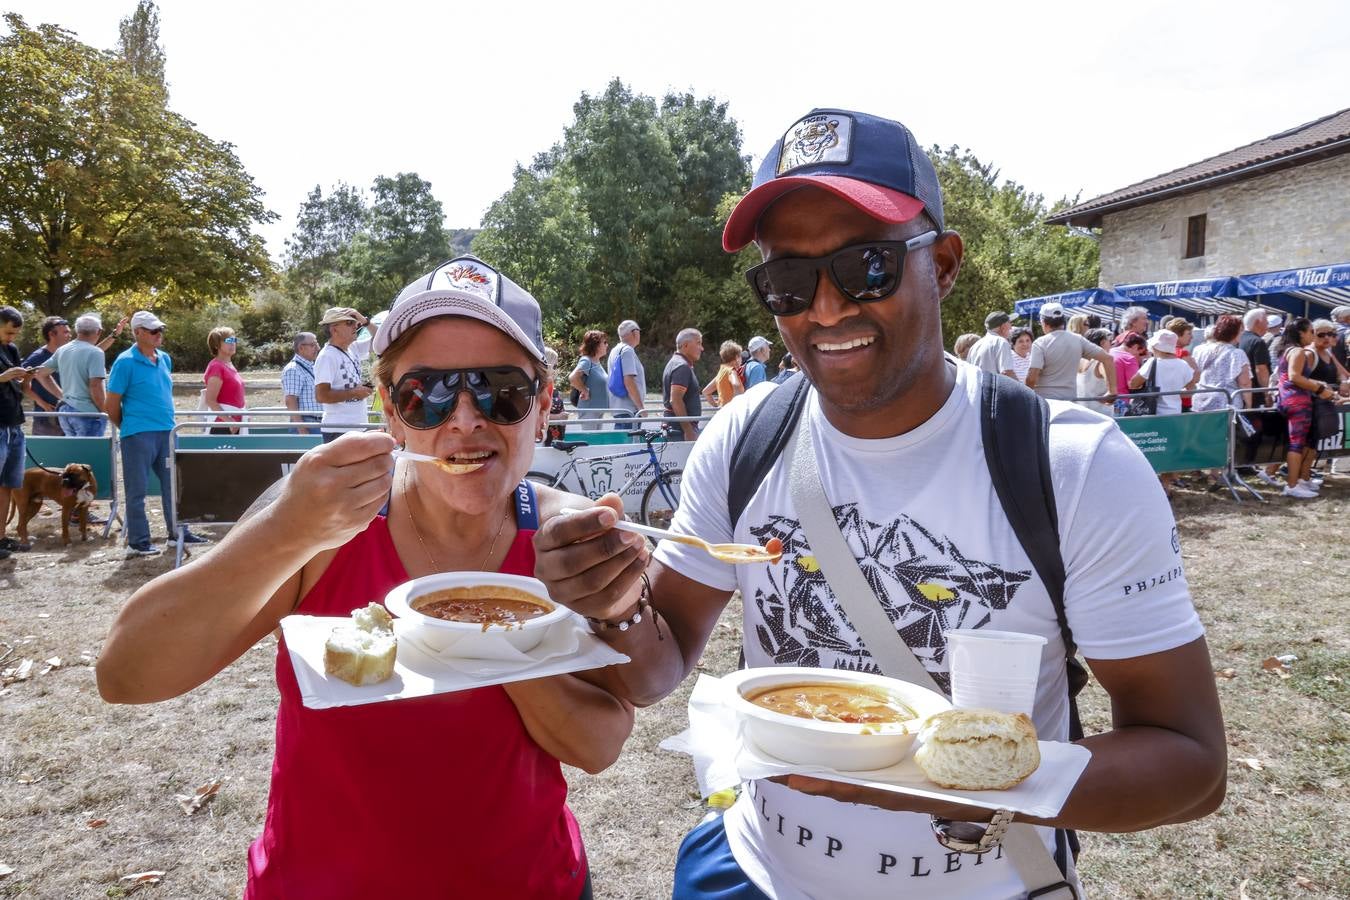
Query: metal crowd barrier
[[1184, 442]]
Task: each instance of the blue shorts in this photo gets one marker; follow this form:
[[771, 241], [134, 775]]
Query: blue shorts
[[704, 867], [11, 456]]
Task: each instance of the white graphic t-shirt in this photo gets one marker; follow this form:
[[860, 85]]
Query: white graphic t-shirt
[[923, 520], [341, 371]]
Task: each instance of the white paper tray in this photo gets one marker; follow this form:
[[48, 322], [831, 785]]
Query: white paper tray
[[568, 647], [723, 759]]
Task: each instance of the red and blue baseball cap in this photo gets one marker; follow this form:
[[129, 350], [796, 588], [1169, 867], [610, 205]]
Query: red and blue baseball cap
[[873, 163]]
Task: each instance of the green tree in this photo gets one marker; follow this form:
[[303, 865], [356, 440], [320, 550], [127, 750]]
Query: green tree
[[1011, 253], [404, 237], [138, 43], [107, 191], [347, 252], [620, 218], [323, 229]]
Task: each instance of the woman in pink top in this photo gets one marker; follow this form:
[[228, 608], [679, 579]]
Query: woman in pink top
[[224, 387], [452, 795], [1128, 354]]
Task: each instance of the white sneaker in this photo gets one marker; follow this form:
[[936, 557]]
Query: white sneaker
[[1300, 492], [1313, 486], [1268, 479]]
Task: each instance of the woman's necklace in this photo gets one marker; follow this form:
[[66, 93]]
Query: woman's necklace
[[435, 566]]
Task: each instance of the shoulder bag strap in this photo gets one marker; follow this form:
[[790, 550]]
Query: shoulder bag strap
[[1033, 862]]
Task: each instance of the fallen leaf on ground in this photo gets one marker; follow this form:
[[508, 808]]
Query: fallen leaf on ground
[[141, 879], [96, 823], [21, 672], [1305, 883], [53, 663], [1226, 673], [29, 778], [1253, 763], [1278, 792], [193, 802], [1286, 658], [1276, 665], [44, 615], [6, 870], [1334, 679], [1242, 890]]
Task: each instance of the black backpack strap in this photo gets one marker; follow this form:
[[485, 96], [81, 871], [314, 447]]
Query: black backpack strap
[[762, 442], [1015, 426]]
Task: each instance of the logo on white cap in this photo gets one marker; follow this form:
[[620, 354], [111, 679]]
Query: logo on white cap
[[816, 139], [468, 278]]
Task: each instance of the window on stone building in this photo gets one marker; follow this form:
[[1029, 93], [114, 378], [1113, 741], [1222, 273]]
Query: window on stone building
[[1195, 236]]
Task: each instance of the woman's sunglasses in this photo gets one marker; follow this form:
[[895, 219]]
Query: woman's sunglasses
[[1326, 334], [425, 398], [862, 272]]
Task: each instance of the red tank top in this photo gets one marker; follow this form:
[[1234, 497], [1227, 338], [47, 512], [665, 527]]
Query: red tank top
[[443, 796]]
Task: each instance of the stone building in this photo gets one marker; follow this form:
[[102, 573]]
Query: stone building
[[1282, 202]]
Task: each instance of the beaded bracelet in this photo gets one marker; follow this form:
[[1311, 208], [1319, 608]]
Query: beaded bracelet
[[644, 603]]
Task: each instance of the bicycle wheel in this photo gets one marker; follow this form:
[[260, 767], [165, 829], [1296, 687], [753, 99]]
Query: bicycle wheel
[[661, 499], [542, 478]]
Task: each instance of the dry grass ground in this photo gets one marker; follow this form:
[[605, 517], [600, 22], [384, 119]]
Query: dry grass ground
[[1269, 579]]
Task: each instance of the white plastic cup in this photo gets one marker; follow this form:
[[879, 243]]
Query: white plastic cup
[[994, 669]]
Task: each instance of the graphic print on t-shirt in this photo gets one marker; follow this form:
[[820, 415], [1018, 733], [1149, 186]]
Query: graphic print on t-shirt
[[924, 581]]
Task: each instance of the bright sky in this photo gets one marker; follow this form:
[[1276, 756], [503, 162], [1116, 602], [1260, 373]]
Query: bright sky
[[1071, 98]]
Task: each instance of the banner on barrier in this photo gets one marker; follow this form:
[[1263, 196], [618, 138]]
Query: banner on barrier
[[1269, 442], [1180, 443], [1332, 424]]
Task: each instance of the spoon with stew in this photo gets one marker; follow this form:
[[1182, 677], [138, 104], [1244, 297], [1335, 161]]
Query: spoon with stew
[[446, 465], [733, 554]]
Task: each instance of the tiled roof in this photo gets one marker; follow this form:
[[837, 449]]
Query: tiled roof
[[1318, 139]]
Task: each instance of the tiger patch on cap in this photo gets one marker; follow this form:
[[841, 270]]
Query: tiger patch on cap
[[816, 139], [466, 277]]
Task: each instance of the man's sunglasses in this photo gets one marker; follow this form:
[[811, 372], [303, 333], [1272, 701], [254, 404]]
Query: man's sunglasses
[[153, 330], [425, 398], [862, 272]]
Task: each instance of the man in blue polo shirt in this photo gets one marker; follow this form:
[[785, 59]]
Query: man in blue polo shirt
[[140, 404]]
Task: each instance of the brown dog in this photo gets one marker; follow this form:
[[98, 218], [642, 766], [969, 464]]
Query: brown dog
[[73, 488]]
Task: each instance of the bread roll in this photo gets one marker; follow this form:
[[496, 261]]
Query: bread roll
[[978, 749], [362, 651]]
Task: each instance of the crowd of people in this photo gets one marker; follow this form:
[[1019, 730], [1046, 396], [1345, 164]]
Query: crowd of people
[[1140, 369]]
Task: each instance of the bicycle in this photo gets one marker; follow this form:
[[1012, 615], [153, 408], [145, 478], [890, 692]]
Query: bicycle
[[659, 501]]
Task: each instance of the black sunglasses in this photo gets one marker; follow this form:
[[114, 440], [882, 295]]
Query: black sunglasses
[[862, 272], [425, 398], [1326, 334]]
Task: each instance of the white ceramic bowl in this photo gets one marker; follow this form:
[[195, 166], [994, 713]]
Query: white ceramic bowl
[[838, 745], [469, 639]]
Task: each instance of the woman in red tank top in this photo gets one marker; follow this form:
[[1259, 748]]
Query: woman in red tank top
[[454, 795]]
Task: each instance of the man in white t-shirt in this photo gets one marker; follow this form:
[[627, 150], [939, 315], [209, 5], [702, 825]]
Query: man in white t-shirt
[[1053, 372], [338, 383], [896, 429], [993, 352]]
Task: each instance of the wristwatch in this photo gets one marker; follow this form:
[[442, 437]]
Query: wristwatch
[[972, 837]]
